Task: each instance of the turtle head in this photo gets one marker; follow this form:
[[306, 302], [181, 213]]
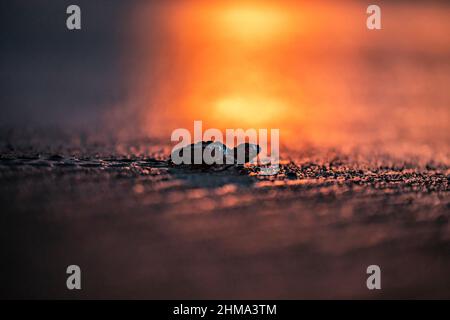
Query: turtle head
[[246, 152]]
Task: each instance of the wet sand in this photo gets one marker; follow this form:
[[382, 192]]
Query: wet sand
[[141, 229]]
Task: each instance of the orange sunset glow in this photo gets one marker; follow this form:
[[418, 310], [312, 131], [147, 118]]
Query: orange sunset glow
[[225, 150], [312, 70]]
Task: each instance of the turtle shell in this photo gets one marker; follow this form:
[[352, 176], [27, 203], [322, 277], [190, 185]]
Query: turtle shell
[[214, 148]]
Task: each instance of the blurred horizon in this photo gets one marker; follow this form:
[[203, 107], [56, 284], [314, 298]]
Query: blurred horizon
[[312, 70]]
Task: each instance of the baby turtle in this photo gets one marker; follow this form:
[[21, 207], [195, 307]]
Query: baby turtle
[[214, 154]]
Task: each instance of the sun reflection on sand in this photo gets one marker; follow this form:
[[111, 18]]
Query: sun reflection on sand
[[311, 70], [248, 111]]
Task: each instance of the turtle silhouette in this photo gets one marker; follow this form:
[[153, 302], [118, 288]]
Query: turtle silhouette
[[214, 154]]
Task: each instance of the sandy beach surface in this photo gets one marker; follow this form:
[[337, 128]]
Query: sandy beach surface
[[141, 229]]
